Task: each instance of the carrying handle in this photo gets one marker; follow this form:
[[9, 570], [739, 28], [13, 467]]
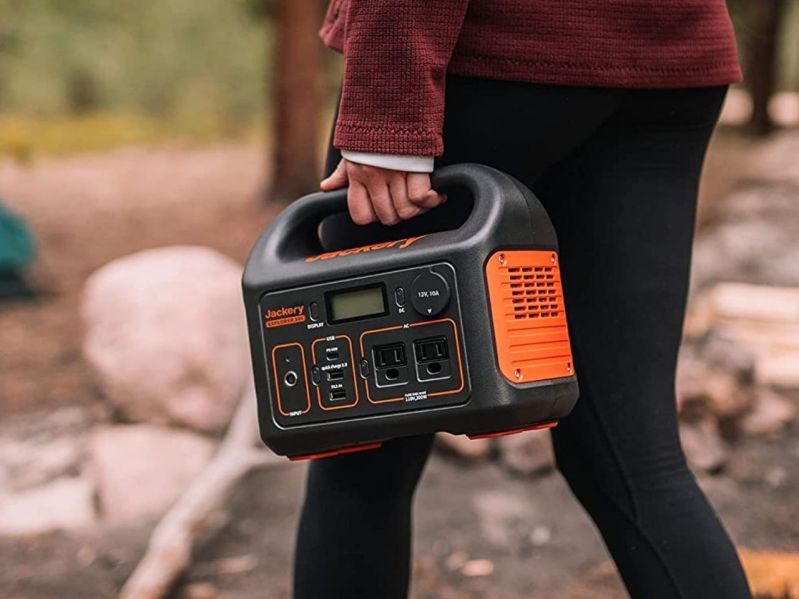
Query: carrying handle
[[294, 233]]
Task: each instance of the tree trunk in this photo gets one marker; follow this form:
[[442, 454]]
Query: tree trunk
[[297, 101], [762, 60]]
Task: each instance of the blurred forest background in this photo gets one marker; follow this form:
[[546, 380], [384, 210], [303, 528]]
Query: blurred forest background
[[147, 143], [90, 74]]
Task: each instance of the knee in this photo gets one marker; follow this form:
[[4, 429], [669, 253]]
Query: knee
[[385, 477]]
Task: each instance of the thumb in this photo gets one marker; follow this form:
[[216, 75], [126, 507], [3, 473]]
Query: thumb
[[337, 179]]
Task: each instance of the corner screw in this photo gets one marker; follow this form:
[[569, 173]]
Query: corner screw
[[568, 367], [517, 373], [502, 259], [552, 258]]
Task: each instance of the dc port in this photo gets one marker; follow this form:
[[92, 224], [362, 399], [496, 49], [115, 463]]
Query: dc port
[[290, 379]]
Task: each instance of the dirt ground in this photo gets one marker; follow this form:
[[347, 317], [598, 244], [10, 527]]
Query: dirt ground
[[90, 209]]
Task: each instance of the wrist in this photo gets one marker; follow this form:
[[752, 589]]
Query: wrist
[[395, 162]]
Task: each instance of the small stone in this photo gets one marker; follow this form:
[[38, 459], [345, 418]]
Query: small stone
[[775, 476], [62, 504], [200, 590], [770, 414], [528, 454], [477, 567], [706, 390], [778, 369], [142, 469], [456, 561], [703, 445], [540, 536], [729, 354], [235, 565], [464, 447]]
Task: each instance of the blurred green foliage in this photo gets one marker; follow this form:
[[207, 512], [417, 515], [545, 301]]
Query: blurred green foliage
[[129, 69]]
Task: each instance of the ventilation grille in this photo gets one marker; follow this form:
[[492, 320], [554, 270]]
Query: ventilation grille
[[528, 312], [534, 292]]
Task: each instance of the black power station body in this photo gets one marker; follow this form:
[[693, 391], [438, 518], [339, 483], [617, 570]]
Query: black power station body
[[452, 321]]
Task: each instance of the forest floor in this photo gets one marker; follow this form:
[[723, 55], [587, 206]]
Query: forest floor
[[534, 538]]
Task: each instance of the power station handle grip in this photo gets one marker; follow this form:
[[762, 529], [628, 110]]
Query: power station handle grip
[[294, 231]]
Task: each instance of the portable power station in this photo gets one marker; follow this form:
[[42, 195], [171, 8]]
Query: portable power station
[[451, 321]]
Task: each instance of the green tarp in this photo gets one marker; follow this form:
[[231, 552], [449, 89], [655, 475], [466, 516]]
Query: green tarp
[[17, 247]]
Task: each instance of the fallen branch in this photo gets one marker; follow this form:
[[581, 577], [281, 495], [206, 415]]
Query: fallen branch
[[169, 550]]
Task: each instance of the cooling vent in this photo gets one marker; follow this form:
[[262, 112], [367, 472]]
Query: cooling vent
[[528, 313]]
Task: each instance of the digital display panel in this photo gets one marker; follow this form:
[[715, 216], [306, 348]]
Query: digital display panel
[[357, 303]]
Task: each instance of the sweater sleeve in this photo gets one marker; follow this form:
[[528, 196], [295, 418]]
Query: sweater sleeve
[[396, 54]]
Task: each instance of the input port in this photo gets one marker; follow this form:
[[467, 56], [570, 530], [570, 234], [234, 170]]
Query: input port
[[332, 354], [290, 378], [389, 355]]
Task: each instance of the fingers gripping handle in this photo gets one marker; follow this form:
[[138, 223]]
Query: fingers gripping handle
[[294, 232]]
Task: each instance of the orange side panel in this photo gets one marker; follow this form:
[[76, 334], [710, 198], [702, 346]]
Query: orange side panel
[[528, 312]]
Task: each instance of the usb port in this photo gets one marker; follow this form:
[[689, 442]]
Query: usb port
[[335, 375], [332, 354], [389, 355], [337, 394], [434, 348]]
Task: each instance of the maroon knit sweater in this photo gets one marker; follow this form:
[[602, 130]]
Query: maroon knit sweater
[[397, 53]]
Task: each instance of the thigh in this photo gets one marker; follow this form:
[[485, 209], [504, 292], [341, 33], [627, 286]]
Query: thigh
[[623, 206]]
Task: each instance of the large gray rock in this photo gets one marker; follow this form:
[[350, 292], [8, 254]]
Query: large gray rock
[[142, 469], [165, 335]]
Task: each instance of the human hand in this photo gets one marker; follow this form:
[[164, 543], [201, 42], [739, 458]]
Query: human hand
[[382, 194]]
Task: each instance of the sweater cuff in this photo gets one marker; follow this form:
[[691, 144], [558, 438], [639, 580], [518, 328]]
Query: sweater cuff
[[394, 162], [388, 140]]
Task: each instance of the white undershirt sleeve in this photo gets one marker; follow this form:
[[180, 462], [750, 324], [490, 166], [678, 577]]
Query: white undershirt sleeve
[[395, 162]]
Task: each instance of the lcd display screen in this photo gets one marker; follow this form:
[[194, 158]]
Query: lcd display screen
[[357, 303]]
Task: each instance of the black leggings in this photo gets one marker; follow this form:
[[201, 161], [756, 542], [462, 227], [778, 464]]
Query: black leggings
[[617, 170]]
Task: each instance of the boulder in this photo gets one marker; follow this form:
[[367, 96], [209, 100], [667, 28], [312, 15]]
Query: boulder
[[166, 337], [142, 469]]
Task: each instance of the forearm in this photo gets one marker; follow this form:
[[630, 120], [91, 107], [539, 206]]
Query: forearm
[[396, 55]]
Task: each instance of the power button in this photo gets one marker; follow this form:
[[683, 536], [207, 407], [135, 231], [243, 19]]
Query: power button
[[399, 296]]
